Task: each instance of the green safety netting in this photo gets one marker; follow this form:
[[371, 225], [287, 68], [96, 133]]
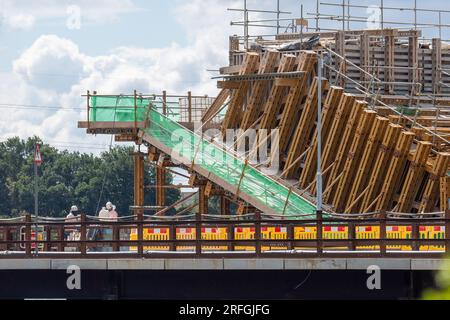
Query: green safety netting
[[226, 166], [117, 109], [121, 108], [197, 150]]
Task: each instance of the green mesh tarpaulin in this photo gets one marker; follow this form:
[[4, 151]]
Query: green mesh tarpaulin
[[117, 109], [226, 166], [197, 150]]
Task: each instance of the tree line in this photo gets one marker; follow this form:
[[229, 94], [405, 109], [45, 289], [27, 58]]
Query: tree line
[[69, 178]]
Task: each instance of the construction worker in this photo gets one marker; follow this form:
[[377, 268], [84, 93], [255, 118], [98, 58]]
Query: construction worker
[[113, 215], [74, 216], [74, 212], [108, 213], [104, 213]]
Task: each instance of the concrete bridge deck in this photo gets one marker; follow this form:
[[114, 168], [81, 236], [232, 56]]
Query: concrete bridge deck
[[217, 264]]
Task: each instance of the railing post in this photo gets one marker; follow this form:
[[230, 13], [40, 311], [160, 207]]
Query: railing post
[[290, 236], [116, 238], [83, 247], [319, 232], [189, 106], [258, 233], [447, 232], [140, 233], [198, 234], [383, 233], [165, 103], [173, 237], [28, 235], [352, 236], [230, 237], [7, 237], [48, 238], [415, 236], [61, 238], [88, 110]]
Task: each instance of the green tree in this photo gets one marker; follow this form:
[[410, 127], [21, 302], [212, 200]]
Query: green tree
[[68, 178]]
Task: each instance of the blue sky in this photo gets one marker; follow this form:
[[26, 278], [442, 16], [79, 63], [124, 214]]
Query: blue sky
[[153, 23], [123, 45]]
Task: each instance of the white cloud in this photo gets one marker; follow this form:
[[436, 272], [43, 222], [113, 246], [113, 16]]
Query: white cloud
[[53, 71], [20, 21], [98, 11]]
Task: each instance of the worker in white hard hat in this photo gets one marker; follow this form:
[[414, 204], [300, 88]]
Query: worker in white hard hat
[[104, 213], [73, 216], [113, 215]]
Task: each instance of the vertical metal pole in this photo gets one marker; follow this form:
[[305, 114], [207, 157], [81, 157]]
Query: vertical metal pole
[[317, 15], [319, 132], [190, 107], [382, 14], [165, 103], [440, 25], [135, 112], [88, 110], [415, 14], [343, 15], [301, 29], [245, 24], [278, 16], [348, 14], [36, 205]]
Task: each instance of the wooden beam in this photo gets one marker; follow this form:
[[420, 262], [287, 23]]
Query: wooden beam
[[389, 62], [340, 49], [366, 165], [330, 107], [444, 192], [396, 167], [431, 193], [353, 158], [291, 115], [216, 105], [381, 165], [138, 181], [202, 200], [331, 146], [414, 177], [436, 58], [364, 56], [160, 183], [275, 101], [285, 82], [413, 59], [234, 112], [345, 144], [304, 130], [260, 88], [230, 85]]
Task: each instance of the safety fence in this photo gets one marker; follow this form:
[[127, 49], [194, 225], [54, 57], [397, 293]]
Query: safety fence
[[141, 235]]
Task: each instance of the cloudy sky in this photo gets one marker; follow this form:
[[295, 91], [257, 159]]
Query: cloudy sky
[[52, 51]]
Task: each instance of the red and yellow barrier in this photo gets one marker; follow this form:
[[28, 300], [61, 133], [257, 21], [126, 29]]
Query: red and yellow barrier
[[300, 233]]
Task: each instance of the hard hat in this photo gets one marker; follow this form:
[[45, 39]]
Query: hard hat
[[109, 205], [74, 209]]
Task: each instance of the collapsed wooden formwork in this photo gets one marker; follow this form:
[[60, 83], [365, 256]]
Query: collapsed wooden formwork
[[373, 158]]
